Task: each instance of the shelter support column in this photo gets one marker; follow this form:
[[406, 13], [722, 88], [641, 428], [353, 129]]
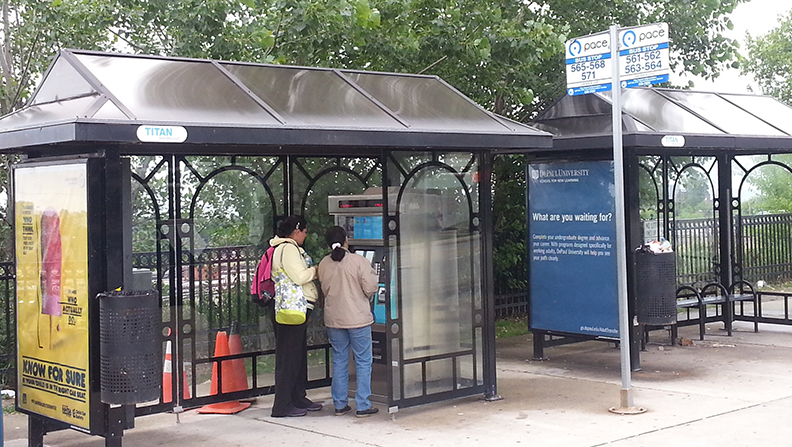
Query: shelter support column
[[634, 238], [488, 286], [725, 269]]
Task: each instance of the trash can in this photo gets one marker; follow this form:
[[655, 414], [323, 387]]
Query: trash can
[[129, 335], [656, 288]]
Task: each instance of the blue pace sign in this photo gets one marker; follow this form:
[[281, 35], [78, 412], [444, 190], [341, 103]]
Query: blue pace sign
[[643, 55], [588, 64]]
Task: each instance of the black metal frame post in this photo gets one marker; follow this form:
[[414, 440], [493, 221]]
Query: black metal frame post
[[725, 231], [488, 285]]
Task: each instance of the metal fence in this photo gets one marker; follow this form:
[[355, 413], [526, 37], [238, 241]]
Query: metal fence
[[766, 253], [7, 326], [764, 249]]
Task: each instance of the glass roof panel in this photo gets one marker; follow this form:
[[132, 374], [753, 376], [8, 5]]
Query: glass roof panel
[[766, 108], [62, 82], [425, 102], [661, 114], [723, 114], [48, 113], [109, 111], [587, 125], [175, 90], [318, 97]]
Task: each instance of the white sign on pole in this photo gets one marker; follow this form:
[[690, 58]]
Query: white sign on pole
[[643, 59], [588, 64], [643, 55]]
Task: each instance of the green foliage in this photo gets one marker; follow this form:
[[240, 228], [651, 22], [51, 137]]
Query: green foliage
[[770, 60], [771, 188], [511, 327], [506, 55], [510, 252]]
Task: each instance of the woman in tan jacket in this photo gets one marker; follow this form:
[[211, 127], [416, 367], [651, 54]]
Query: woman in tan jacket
[[291, 350], [348, 280]]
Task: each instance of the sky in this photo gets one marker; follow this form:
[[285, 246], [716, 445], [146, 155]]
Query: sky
[[756, 17]]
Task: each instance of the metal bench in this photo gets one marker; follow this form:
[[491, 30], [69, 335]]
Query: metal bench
[[690, 298]]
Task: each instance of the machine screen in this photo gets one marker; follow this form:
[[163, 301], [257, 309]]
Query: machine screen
[[368, 227]]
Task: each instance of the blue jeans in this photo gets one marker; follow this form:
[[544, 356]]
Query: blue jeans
[[359, 339]]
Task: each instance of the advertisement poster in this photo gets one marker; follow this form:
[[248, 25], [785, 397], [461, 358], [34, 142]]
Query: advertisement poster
[[52, 291], [572, 248]]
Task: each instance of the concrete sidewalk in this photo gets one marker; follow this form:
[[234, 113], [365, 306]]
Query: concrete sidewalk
[[725, 391]]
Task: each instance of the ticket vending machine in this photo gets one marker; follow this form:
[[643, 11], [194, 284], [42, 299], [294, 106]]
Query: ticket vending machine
[[361, 217]]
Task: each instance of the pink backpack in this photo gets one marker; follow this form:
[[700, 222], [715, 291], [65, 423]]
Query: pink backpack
[[262, 288]]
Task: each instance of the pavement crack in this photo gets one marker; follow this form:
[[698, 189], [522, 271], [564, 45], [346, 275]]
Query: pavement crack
[[349, 441], [693, 421]]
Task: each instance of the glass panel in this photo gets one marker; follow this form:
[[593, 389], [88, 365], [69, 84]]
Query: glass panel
[[648, 198], [413, 380], [588, 125], [435, 263], [179, 91], [109, 111], [439, 376], [47, 113], [661, 114], [465, 371], [232, 208], [425, 102], [765, 226], [722, 113], [319, 97], [766, 108], [317, 366], [265, 370], [695, 227], [63, 81]]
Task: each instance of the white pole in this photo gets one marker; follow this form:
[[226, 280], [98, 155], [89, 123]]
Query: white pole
[[626, 397]]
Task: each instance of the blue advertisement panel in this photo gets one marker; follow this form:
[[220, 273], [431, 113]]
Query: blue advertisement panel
[[572, 248]]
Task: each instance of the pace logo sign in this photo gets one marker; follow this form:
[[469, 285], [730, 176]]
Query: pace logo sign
[[588, 64], [643, 55], [643, 59]]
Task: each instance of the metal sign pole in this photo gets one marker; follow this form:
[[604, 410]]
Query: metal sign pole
[[626, 406]]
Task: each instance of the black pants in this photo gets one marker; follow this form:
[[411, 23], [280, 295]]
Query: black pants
[[291, 368]]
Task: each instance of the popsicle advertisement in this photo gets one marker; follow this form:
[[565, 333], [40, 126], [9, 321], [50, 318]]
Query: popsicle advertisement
[[51, 229]]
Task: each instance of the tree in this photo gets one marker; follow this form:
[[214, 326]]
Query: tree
[[506, 55], [770, 60], [770, 188]]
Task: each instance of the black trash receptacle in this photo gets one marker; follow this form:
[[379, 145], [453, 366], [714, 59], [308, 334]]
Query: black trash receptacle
[[131, 370], [656, 288]]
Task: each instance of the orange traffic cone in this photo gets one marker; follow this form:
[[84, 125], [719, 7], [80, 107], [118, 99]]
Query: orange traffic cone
[[231, 407], [237, 365], [167, 378]]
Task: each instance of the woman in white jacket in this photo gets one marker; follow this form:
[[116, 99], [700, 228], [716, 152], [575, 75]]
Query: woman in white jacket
[[291, 361]]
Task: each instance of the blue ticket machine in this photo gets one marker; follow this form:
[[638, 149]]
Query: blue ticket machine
[[361, 217]]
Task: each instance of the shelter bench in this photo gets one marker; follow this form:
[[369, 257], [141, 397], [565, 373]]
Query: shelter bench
[[715, 294]]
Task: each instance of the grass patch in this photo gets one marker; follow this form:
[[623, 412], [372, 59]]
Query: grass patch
[[511, 326]]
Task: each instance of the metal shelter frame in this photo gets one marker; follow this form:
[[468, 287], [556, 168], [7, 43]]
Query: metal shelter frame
[[158, 132], [674, 139]]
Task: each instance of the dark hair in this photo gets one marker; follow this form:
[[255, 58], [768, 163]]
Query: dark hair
[[336, 235], [289, 224]]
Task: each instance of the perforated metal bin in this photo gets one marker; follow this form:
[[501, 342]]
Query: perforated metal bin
[[131, 369], [656, 288]]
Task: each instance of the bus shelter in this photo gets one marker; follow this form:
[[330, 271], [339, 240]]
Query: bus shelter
[[177, 171], [703, 171]]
